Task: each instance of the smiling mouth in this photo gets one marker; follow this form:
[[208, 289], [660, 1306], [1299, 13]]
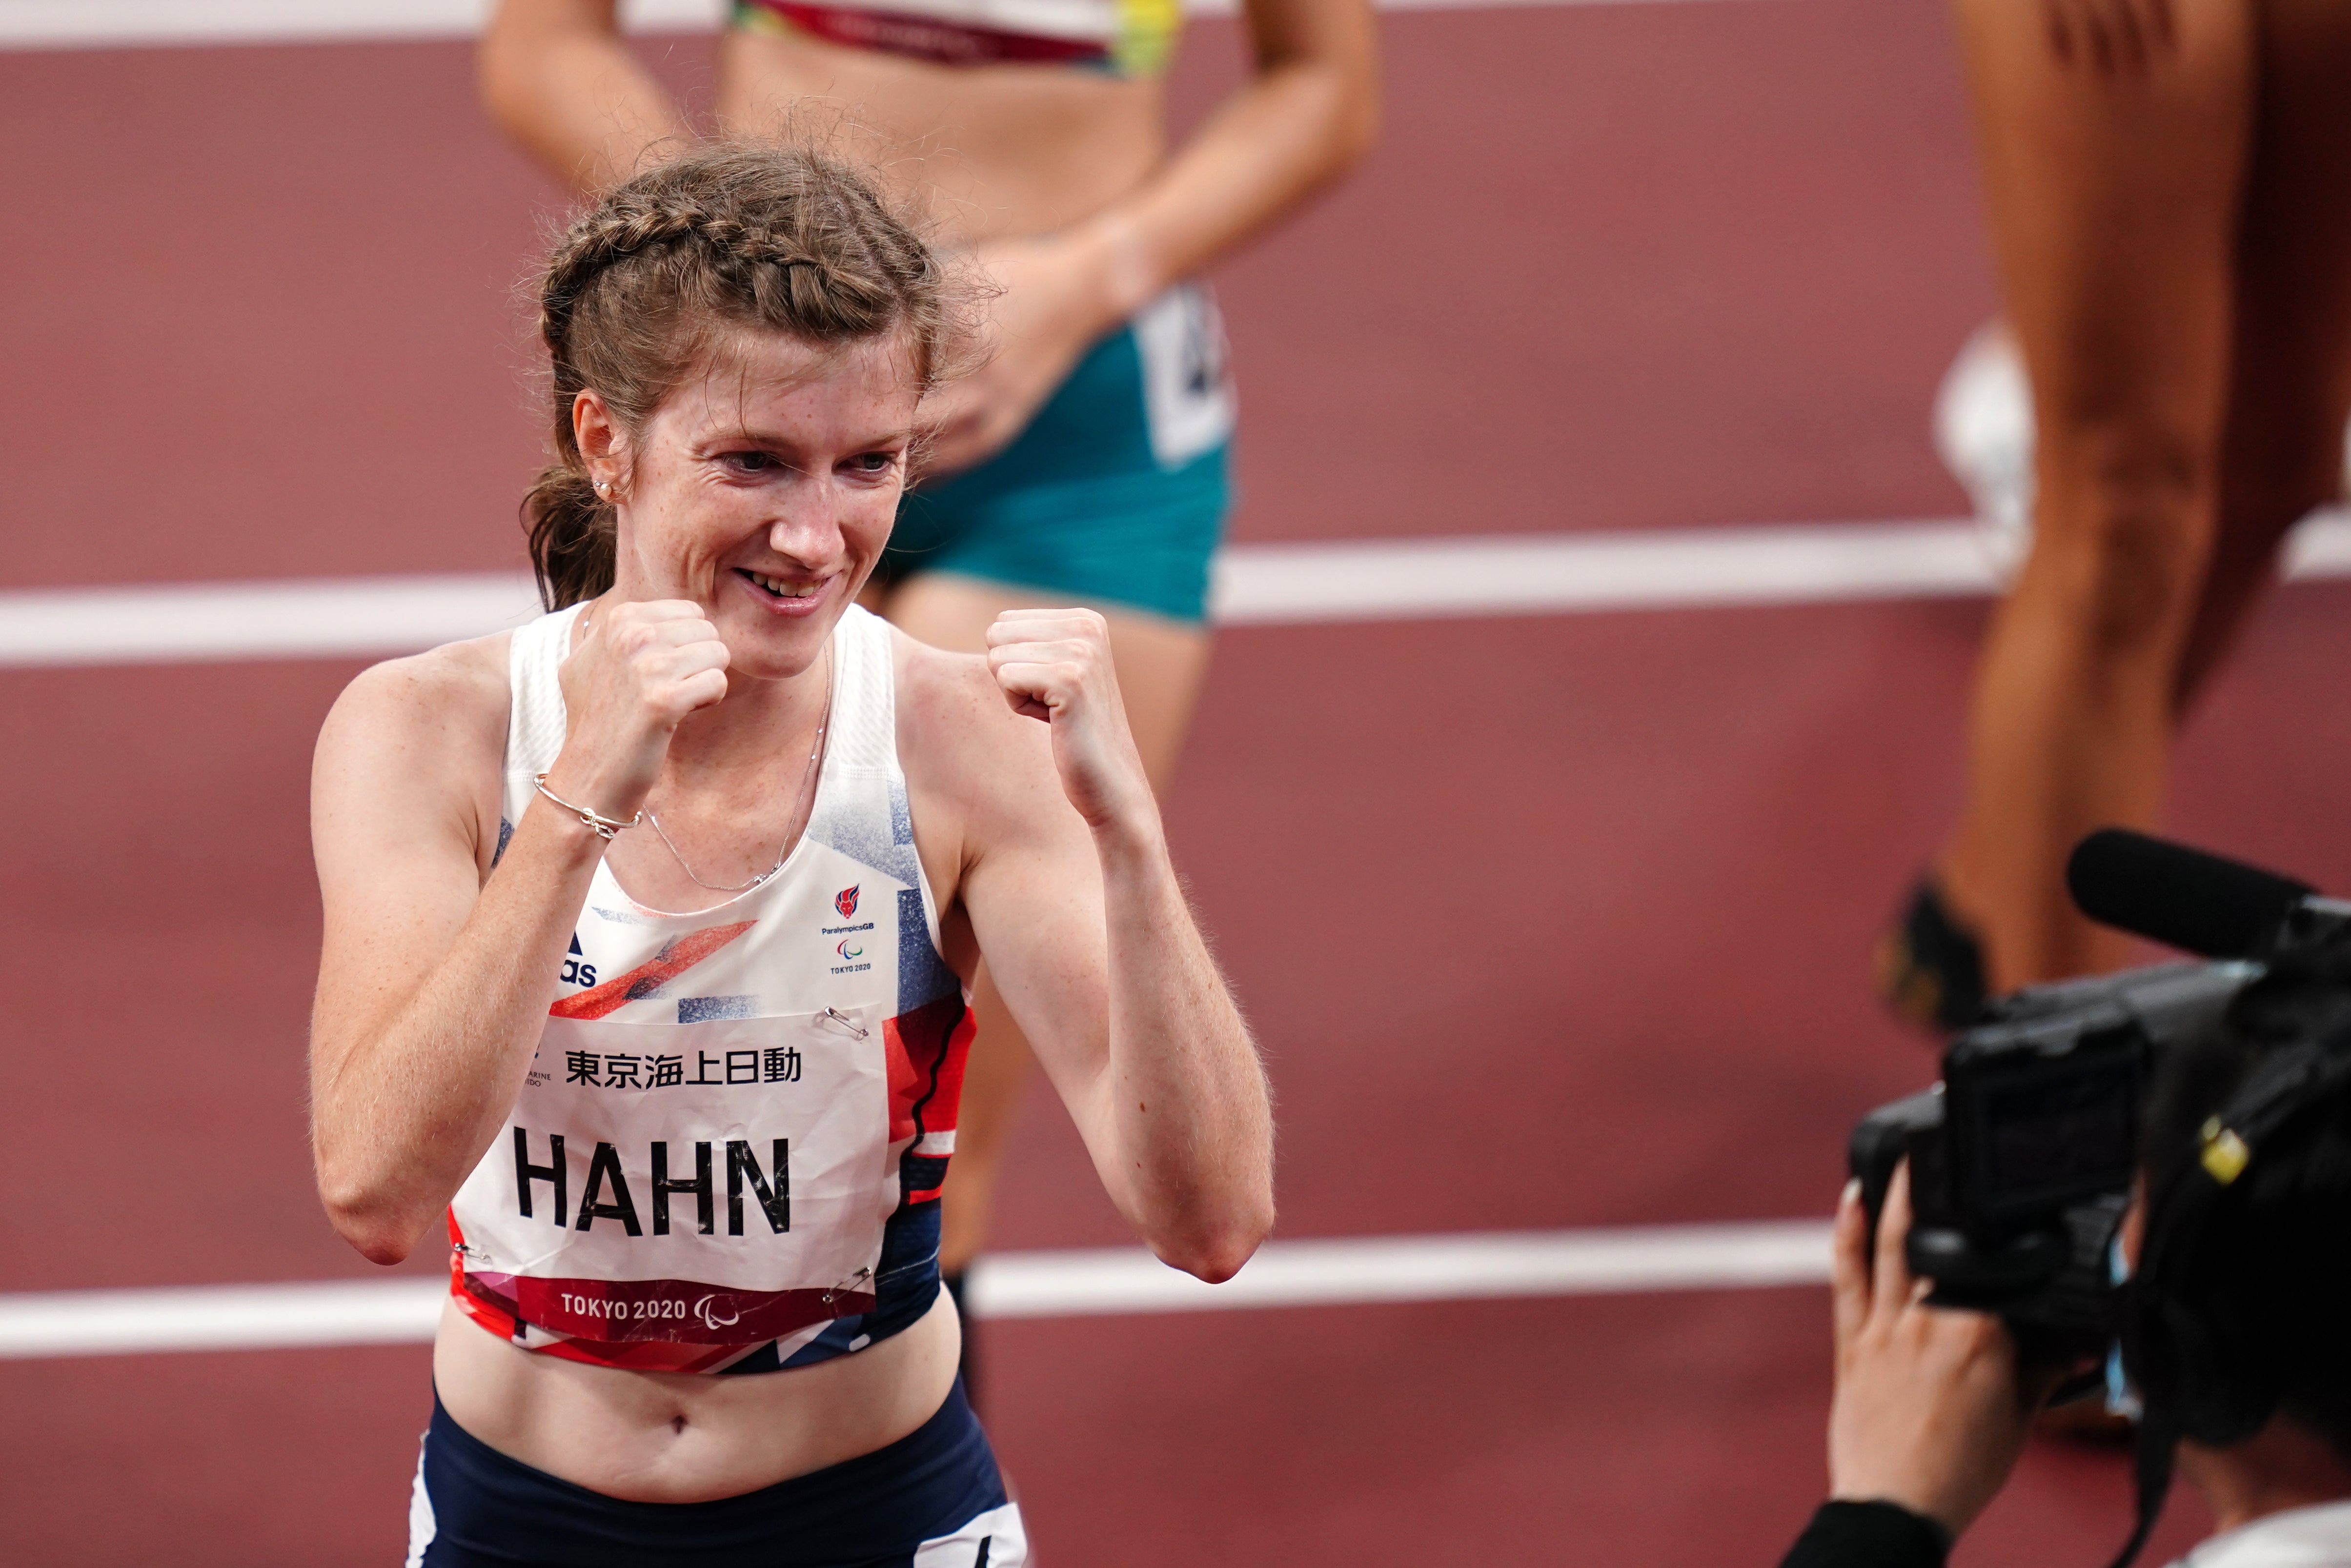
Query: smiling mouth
[[775, 586]]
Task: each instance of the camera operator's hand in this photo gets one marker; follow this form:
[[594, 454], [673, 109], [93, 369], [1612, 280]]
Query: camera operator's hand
[[1929, 1411]]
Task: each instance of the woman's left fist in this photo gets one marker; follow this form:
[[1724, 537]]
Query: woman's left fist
[[1055, 665]]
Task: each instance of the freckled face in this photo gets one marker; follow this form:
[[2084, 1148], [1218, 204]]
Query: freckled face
[[764, 489]]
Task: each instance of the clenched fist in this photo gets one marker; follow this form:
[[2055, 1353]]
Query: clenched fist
[[1055, 665], [636, 671]]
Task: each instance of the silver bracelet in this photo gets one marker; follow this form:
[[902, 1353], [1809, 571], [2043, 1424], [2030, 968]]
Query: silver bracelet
[[602, 827]]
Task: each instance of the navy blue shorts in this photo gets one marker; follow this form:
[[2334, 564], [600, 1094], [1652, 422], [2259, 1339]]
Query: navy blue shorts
[[932, 1498]]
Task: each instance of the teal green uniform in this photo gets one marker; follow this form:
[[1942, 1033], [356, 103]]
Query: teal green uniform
[[1116, 494]]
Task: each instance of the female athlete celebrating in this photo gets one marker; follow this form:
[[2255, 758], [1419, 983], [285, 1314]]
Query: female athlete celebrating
[[1087, 462], [644, 926]]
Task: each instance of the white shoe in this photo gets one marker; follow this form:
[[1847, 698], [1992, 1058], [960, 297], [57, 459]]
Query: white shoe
[[1983, 433]]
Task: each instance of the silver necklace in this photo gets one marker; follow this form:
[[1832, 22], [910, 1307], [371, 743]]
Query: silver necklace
[[804, 802]]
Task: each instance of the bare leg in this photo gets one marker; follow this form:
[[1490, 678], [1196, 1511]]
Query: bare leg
[[2291, 381], [2115, 197], [1160, 667]]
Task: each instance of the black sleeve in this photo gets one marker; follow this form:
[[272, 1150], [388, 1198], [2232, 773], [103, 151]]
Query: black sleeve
[[1869, 1535]]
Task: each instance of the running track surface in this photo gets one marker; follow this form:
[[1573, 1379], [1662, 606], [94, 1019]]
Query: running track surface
[[1544, 922]]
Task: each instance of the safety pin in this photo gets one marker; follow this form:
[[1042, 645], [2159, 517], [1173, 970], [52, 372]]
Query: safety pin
[[857, 1279], [845, 1021]]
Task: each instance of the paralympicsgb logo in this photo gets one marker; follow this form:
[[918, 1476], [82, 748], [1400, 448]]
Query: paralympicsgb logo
[[846, 901]]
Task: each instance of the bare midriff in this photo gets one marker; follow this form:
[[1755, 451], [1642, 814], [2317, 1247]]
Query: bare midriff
[[985, 151], [653, 1436]]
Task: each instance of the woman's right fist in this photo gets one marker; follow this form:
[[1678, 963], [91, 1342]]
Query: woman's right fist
[[636, 670]]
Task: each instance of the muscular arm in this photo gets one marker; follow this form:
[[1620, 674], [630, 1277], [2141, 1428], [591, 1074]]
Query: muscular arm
[[1084, 926], [433, 985], [556, 76], [1307, 114], [1139, 1036]]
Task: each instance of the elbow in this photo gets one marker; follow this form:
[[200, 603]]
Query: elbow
[[380, 1239], [377, 1228], [384, 1249], [1214, 1253], [1214, 1265], [1212, 1260]]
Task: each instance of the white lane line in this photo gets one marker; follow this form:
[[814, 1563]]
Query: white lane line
[[1475, 1266], [136, 24], [1671, 569], [139, 24], [295, 619], [1383, 580], [217, 1317], [1256, 585], [1093, 1282]]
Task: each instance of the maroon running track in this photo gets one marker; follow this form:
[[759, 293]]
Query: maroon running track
[[1544, 922]]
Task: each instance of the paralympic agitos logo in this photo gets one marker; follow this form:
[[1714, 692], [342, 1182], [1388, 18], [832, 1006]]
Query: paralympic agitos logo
[[710, 1319]]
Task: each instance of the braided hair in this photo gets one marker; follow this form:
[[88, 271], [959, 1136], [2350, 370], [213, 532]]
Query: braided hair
[[730, 236]]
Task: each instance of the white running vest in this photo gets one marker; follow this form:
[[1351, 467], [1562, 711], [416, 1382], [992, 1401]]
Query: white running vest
[[728, 1151]]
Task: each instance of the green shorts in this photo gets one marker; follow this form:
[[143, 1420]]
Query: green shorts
[[1116, 494]]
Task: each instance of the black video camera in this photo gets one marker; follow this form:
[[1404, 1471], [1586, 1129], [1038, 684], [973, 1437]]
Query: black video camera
[[2021, 1159]]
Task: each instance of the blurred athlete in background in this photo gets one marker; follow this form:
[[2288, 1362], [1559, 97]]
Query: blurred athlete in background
[[1089, 461], [2170, 186]]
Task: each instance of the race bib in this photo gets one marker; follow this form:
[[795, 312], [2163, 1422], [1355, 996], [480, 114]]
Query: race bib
[[711, 1183]]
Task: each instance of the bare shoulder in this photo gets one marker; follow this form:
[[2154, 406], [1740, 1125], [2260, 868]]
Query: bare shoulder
[[957, 737], [446, 705], [941, 694]]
